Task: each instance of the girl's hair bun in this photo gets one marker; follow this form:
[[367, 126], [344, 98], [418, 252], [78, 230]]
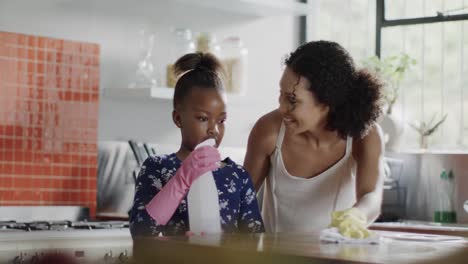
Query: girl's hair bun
[[197, 61]]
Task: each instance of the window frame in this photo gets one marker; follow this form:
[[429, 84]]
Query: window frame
[[381, 22]]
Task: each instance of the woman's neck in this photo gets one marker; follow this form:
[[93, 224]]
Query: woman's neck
[[321, 138]]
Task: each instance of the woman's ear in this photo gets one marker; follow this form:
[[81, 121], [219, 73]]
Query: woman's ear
[[325, 109], [176, 118]]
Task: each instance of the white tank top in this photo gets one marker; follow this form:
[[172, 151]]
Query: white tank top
[[295, 204]]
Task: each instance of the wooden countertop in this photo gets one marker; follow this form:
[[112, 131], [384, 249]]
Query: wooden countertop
[[394, 247], [423, 227]]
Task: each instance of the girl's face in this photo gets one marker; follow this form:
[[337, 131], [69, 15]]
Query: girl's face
[[299, 107], [201, 116]]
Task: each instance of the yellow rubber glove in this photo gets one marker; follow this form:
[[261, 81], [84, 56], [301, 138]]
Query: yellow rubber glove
[[351, 223]]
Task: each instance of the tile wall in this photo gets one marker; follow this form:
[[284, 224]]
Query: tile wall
[[49, 97]]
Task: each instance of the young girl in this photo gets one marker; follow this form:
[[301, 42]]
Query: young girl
[[160, 203]]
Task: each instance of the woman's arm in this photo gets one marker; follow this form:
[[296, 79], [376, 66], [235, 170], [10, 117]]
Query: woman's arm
[[368, 153], [261, 144]]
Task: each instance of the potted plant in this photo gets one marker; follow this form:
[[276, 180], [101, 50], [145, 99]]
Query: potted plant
[[425, 129], [391, 70]]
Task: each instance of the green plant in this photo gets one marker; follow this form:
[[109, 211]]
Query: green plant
[[391, 70]]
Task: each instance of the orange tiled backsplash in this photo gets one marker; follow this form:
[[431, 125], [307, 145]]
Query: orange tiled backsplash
[[49, 91]]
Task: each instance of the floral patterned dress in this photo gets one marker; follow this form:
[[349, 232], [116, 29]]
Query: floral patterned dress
[[237, 200]]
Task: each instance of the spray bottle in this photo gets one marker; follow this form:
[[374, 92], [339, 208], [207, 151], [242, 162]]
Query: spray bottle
[[445, 211], [203, 201]]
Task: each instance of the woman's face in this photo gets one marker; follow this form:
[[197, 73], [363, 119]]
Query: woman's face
[[298, 105], [201, 116]]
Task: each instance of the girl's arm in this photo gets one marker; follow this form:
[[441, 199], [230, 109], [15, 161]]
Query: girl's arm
[[261, 144], [148, 184], [368, 153], [250, 219], [164, 204]]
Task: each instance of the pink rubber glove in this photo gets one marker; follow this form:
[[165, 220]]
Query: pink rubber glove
[[163, 205]]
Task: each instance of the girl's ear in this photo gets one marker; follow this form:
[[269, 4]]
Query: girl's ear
[[176, 118]]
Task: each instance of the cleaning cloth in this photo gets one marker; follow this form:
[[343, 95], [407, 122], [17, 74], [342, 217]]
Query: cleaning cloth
[[333, 235]]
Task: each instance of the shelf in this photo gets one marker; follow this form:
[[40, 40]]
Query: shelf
[[139, 93], [254, 7], [161, 93], [434, 151], [180, 8]]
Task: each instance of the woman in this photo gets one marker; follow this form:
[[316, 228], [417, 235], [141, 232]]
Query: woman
[[321, 150]]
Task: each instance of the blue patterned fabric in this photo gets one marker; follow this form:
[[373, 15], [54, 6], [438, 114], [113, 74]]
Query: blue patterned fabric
[[237, 200]]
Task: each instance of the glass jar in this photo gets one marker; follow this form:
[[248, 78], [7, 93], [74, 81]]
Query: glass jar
[[182, 44], [144, 74], [207, 42], [234, 60]]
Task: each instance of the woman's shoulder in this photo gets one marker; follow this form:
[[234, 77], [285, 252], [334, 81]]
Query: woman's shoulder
[[266, 129], [270, 121], [372, 143]]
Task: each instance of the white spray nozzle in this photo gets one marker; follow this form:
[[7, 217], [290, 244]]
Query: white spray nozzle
[[208, 142]]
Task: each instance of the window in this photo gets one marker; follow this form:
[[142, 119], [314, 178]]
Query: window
[[435, 33], [350, 23]]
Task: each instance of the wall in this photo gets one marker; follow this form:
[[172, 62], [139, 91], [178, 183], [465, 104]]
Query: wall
[[420, 176], [48, 121], [150, 120], [115, 28]]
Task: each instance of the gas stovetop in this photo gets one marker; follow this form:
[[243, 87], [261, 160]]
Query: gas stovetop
[[84, 241], [13, 226]]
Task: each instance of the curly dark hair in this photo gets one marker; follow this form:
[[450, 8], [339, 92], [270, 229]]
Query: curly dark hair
[[353, 95]]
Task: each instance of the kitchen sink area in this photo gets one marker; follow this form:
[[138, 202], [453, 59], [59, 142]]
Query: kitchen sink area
[[415, 226]]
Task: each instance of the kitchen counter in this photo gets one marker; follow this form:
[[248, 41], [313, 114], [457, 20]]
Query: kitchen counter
[[394, 247], [423, 227]]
